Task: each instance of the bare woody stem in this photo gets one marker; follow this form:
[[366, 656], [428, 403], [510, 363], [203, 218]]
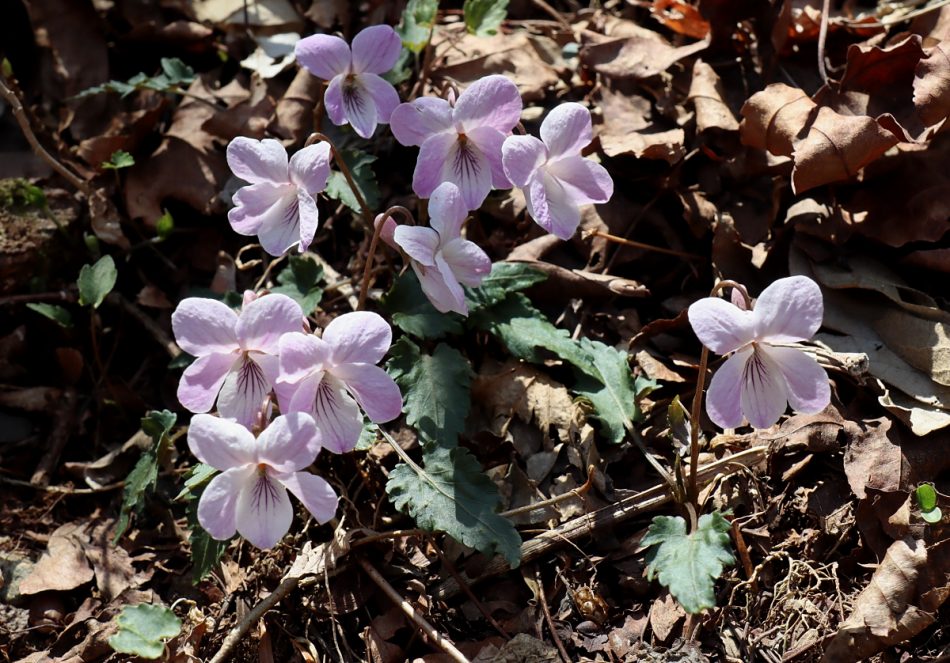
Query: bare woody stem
[[374, 242], [11, 98], [641, 245], [341, 164], [692, 492]]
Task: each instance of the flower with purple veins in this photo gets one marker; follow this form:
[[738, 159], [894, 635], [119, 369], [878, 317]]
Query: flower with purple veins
[[555, 178], [236, 354], [356, 94], [250, 494], [334, 376], [440, 257], [461, 143], [279, 205], [760, 378]]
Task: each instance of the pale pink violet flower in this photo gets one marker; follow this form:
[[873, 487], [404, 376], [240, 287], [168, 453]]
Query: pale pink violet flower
[[761, 378], [280, 204], [356, 94], [461, 143], [440, 257], [250, 494], [555, 178], [334, 376], [236, 354]]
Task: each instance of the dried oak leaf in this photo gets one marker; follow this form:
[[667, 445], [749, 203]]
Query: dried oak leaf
[[705, 92], [772, 118], [932, 86], [628, 128], [63, 566], [836, 147], [636, 57], [899, 602]]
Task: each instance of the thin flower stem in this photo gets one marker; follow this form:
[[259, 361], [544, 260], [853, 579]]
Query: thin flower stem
[[17, 107], [341, 164], [822, 38], [692, 492], [377, 231], [641, 245]]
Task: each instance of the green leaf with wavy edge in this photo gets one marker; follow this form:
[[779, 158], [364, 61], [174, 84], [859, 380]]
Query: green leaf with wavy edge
[[689, 564], [57, 314], [96, 281], [504, 279], [143, 630], [451, 493], [300, 281], [360, 164], [143, 478], [435, 388], [484, 17], [417, 20], [175, 76], [119, 159], [411, 311]]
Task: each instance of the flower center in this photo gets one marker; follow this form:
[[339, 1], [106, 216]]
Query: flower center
[[465, 165]]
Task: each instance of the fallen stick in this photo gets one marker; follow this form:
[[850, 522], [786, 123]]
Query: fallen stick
[[612, 514]]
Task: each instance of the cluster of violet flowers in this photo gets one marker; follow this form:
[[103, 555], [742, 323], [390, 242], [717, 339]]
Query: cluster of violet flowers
[[266, 354]]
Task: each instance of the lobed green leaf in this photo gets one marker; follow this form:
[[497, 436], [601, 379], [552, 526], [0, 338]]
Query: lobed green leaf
[[143, 629], [484, 17]]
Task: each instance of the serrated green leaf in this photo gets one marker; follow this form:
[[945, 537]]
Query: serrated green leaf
[[452, 494], [177, 72], [609, 386], [96, 281], [119, 159], [689, 564], [143, 630], [412, 312], [505, 278], [932, 516], [175, 75], [57, 314], [435, 388], [360, 164], [483, 17], [196, 477], [157, 423], [300, 281], [368, 437], [206, 551], [141, 480], [417, 20], [926, 497]]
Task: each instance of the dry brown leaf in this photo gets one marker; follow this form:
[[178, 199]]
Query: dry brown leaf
[[665, 614], [636, 57], [900, 601], [680, 17], [836, 147], [706, 94], [533, 63], [772, 118], [932, 86], [293, 116], [62, 567], [628, 128]]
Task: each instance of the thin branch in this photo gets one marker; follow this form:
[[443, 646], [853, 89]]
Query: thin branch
[[409, 611], [641, 245], [11, 98], [547, 617], [377, 231], [576, 492]]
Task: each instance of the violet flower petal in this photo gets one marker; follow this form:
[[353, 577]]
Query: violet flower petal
[[263, 512], [567, 130], [202, 380], [447, 212], [434, 287], [788, 310], [720, 326], [723, 402], [317, 496], [301, 355], [265, 320], [361, 336], [419, 243], [375, 49], [333, 101], [258, 205], [220, 443], [309, 215], [414, 122], [337, 416], [310, 167], [551, 207], [218, 504], [764, 394], [467, 167], [359, 107], [243, 393], [808, 389], [373, 389], [521, 158], [489, 141], [468, 262], [258, 161], [290, 443], [492, 101], [432, 160], [584, 180], [324, 56], [384, 95], [204, 326]]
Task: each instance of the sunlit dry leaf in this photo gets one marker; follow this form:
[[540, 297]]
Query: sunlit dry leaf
[[62, 567], [932, 86], [836, 148], [680, 17], [706, 93], [772, 118], [628, 128], [636, 57], [900, 601]]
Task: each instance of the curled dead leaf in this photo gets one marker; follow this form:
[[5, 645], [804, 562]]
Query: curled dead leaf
[[705, 92], [899, 602], [772, 118]]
